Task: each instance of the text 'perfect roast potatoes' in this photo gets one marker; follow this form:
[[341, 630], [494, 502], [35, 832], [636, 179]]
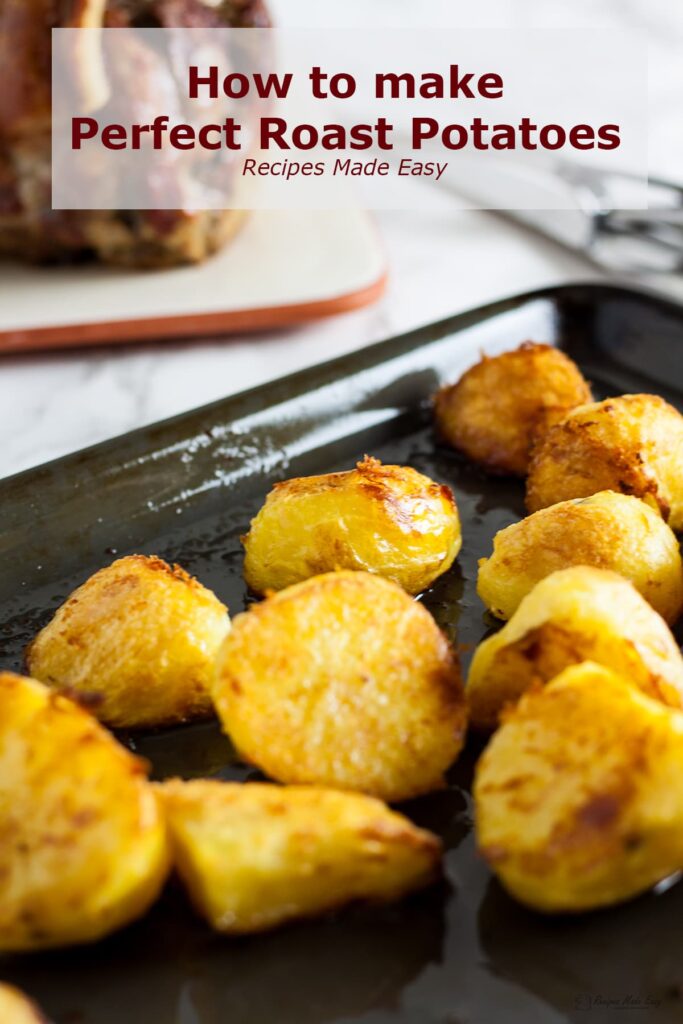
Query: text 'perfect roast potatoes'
[[343, 681], [607, 530], [501, 406], [573, 615], [389, 520], [579, 795], [632, 444], [16, 1008], [139, 639], [254, 856], [83, 848]]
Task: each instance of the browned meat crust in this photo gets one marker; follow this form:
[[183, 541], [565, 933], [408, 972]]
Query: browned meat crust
[[29, 228]]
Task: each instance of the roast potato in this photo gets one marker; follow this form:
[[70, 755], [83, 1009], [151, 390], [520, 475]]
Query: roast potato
[[607, 530], [254, 856], [389, 520], [579, 795], [83, 849], [138, 640], [499, 408], [16, 1008], [632, 444], [573, 615], [343, 681]]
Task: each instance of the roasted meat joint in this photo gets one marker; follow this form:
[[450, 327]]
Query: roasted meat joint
[[29, 227]]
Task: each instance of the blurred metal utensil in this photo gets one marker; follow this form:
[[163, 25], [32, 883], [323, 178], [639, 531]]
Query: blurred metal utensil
[[648, 240], [600, 223]]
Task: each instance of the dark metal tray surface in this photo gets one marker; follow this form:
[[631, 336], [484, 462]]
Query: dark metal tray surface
[[463, 952]]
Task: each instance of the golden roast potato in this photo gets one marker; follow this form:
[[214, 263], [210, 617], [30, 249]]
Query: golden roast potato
[[16, 1008], [579, 795], [632, 444], [607, 530], [389, 520], [573, 615], [343, 681], [138, 640], [496, 411], [254, 856], [83, 847]]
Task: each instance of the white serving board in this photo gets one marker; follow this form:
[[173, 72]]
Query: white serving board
[[283, 267]]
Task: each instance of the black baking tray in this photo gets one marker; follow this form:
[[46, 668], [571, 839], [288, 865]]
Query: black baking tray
[[463, 952]]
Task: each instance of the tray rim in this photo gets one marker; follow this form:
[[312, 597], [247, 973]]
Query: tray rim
[[370, 355], [367, 359]]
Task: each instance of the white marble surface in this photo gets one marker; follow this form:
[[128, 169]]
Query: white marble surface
[[53, 404]]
